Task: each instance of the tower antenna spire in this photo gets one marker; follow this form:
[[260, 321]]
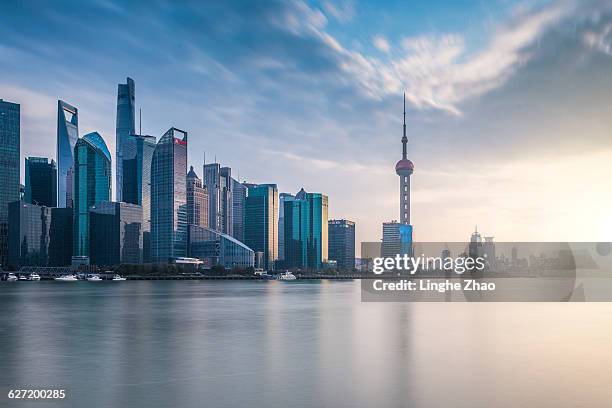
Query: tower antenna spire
[[404, 138]]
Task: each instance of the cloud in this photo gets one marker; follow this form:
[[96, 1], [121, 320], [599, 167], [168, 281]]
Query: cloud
[[381, 43], [343, 11]]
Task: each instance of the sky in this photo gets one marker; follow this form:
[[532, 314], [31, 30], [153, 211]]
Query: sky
[[509, 104]]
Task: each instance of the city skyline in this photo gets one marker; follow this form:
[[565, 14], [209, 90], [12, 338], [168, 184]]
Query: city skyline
[[506, 146]]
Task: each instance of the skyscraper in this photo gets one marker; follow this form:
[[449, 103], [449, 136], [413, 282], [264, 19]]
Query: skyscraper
[[67, 135], [282, 197], [9, 168], [238, 197], [261, 221], [137, 156], [342, 243], [218, 182], [169, 197], [91, 183], [126, 126], [306, 230], [40, 181], [404, 169], [116, 233], [197, 200]]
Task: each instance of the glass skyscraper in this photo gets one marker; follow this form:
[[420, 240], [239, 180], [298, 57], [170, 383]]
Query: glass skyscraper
[[197, 200], [40, 181], [67, 135], [116, 233], [91, 183], [238, 199], [9, 168], [169, 197], [306, 230], [126, 126], [137, 156], [261, 221], [342, 243], [218, 182]]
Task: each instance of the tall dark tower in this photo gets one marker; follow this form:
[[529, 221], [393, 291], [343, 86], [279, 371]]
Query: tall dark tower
[[404, 169]]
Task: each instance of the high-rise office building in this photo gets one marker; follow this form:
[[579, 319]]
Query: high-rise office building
[[197, 200], [137, 156], [9, 168], [169, 197], [126, 126], [91, 183], [261, 221], [40, 181], [67, 135], [238, 196], [397, 239], [342, 243], [39, 235], [115, 233], [218, 182], [306, 230], [282, 197]]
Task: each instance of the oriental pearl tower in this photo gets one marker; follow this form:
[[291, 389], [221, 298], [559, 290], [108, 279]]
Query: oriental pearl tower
[[404, 169]]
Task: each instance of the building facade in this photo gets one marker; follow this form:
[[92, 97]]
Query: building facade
[[397, 239], [169, 197], [306, 230], [137, 156], [282, 197], [126, 126], [216, 248], [197, 200], [91, 185], [40, 181], [67, 136], [261, 222], [239, 192], [116, 233], [10, 125], [39, 235], [218, 182], [342, 243]]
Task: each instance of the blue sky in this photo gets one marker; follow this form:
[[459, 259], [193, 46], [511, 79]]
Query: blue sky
[[508, 102]]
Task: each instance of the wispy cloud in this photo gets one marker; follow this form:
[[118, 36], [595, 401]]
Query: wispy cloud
[[381, 43]]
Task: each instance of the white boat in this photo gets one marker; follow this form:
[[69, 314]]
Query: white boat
[[67, 278], [11, 277], [23, 278], [118, 278], [34, 277], [94, 278], [286, 276]]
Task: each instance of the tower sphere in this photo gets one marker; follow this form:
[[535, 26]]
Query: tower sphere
[[404, 167]]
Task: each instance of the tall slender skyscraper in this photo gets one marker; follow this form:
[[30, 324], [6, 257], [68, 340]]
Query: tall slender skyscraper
[[218, 182], [67, 135], [169, 197], [239, 192], [91, 183], [126, 126], [9, 168], [40, 181], [261, 221]]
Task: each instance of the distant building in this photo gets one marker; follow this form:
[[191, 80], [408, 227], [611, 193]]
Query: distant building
[[282, 197], [197, 200], [9, 168], [40, 181], [91, 184], [305, 225], [169, 197], [342, 243], [218, 182], [476, 249], [397, 239], [137, 156], [261, 221], [126, 126], [39, 235], [116, 233], [239, 192], [67, 136], [216, 248]]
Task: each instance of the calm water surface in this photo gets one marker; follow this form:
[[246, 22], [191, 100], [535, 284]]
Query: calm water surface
[[281, 344]]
